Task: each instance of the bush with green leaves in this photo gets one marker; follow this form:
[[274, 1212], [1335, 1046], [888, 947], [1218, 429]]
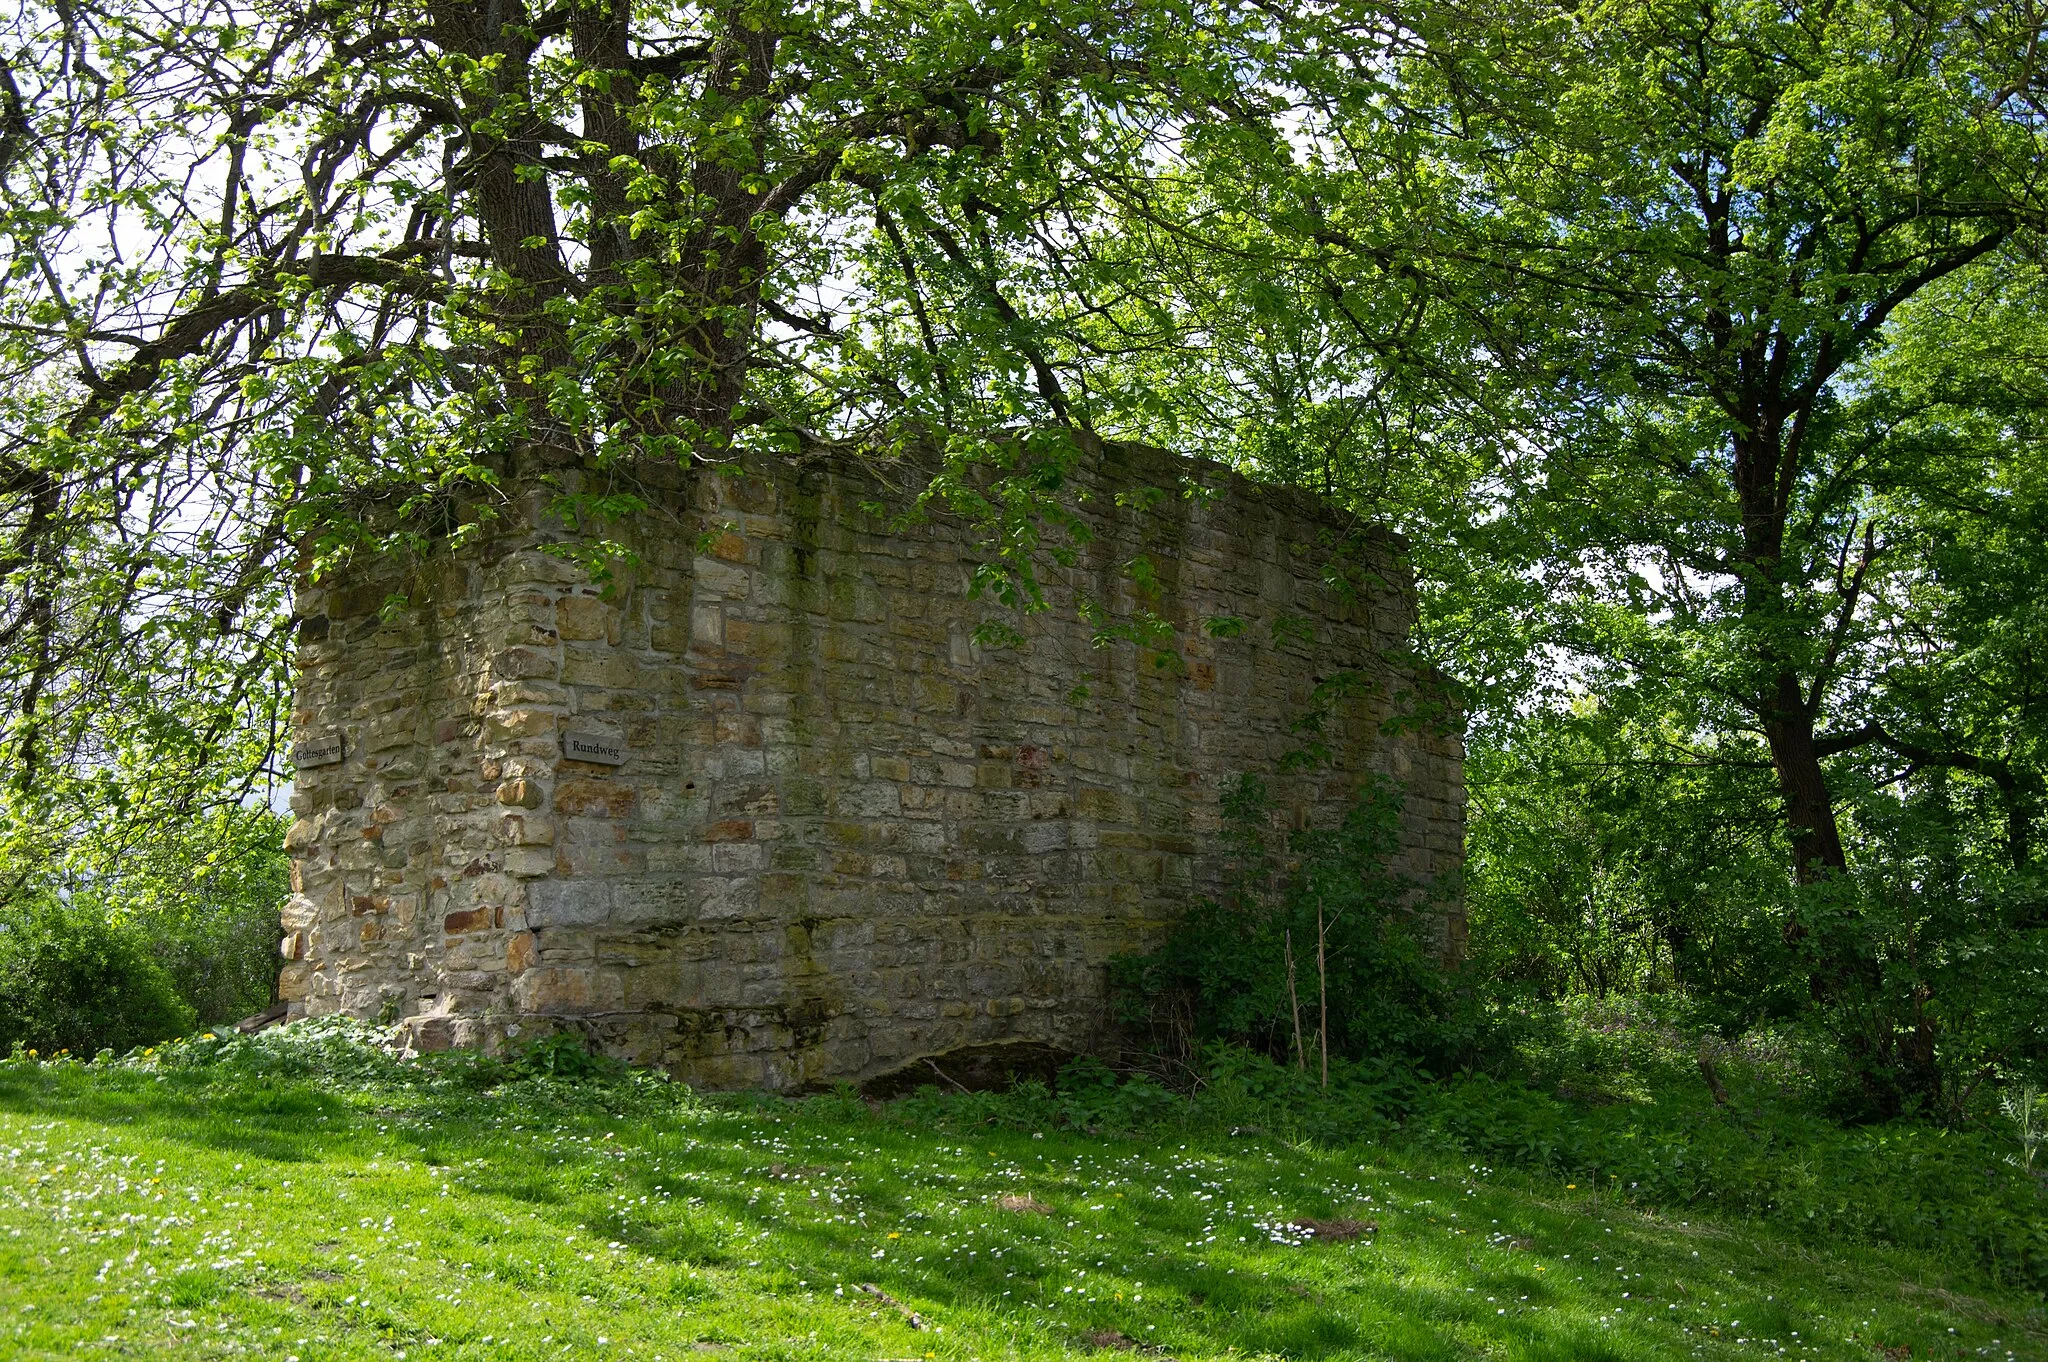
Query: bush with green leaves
[[207, 894], [1606, 860], [203, 892], [73, 979], [1312, 954], [1598, 863], [1932, 986], [1087, 1094]]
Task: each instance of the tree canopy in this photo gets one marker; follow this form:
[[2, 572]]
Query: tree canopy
[[274, 266], [1697, 345]]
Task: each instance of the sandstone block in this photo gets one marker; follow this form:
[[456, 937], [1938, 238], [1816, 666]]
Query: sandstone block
[[521, 794], [526, 830], [527, 862], [522, 663], [584, 618], [471, 920], [510, 725], [591, 797], [567, 903]]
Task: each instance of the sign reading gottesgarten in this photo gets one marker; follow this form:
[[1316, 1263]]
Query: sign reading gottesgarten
[[318, 749]]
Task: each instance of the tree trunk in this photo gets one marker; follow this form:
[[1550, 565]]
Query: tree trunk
[[1838, 969], [1766, 456], [1809, 808]]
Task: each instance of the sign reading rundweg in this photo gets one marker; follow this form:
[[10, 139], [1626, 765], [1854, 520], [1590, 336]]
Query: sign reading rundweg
[[601, 748]]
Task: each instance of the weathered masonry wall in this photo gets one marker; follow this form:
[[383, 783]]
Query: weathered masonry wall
[[813, 831]]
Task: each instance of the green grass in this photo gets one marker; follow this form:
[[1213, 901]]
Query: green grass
[[210, 1211]]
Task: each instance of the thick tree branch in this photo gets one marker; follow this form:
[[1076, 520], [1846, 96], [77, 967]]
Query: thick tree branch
[[191, 332]]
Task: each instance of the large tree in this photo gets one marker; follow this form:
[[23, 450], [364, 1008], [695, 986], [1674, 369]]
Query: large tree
[[1623, 270], [274, 264], [1695, 218]]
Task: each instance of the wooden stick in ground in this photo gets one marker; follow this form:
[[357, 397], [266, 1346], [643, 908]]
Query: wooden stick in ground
[[943, 1074], [1294, 1004], [1713, 1080], [1323, 998]]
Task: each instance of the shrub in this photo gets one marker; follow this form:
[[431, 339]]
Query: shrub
[[203, 893], [1088, 1095], [1331, 935], [207, 896], [563, 1055], [225, 962], [1934, 983], [72, 979]]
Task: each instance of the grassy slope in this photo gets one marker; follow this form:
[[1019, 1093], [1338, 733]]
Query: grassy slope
[[199, 1214]]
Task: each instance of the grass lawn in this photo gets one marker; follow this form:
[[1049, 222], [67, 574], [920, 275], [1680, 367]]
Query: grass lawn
[[211, 1212]]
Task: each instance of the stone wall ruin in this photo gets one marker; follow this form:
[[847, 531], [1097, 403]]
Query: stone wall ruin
[[761, 810]]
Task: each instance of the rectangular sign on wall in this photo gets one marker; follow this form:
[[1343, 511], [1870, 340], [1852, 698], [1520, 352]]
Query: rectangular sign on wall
[[318, 749], [601, 748]]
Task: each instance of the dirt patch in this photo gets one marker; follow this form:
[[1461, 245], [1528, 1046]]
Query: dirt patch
[[1337, 1231], [1974, 1308], [1122, 1342], [790, 1172]]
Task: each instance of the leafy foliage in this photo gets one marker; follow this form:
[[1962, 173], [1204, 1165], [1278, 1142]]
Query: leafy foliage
[[383, 272], [71, 979], [206, 897], [1606, 858], [201, 895], [1311, 955], [1610, 860]]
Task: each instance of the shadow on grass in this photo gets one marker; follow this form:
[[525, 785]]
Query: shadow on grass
[[280, 1121], [709, 1190], [1252, 1306]]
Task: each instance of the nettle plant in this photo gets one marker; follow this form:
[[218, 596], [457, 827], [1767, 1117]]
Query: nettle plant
[[2023, 1107]]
